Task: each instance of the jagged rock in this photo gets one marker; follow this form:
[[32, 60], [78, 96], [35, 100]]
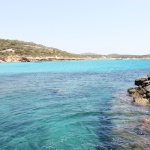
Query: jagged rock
[[140, 81], [16, 58], [141, 94], [148, 95], [24, 59], [132, 90], [147, 89], [146, 83], [140, 100]]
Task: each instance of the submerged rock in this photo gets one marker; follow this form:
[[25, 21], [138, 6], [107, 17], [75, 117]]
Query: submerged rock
[[143, 128], [141, 93]]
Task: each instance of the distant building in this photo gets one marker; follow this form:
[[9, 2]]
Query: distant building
[[8, 50]]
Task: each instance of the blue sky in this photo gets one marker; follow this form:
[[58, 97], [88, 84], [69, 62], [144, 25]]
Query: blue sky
[[78, 26]]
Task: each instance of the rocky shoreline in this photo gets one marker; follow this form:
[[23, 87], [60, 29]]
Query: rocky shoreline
[[15, 58], [141, 96], [141, 93], [35, 59]]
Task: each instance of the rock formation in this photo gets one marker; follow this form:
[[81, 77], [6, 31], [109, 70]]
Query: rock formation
[[143, 128], [16, 58], [141, 93]]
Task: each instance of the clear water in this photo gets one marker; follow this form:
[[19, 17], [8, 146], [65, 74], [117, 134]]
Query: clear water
[[72, 105]]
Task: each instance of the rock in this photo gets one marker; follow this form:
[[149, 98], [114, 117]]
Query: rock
[[143, 128], [141, 90], [146, 83], [140, 81], [147, 95], [16, 58], [141, 94], [132, 90], [141, 101], [136, 146], [148, 76], [147, 89], [24, 59], [147, 121]]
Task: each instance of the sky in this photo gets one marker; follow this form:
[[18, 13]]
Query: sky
[[79, 26]]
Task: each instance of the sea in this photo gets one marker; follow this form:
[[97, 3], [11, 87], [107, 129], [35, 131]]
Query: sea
[[72, 105]]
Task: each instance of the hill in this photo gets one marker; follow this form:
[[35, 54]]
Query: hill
[[15, 50], [21, 48], [127, 56], [89, 53]]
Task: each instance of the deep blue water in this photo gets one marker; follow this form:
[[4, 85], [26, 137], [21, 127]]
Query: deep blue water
[[71, 105]]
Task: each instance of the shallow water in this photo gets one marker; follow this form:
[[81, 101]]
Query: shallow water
[[77, 105]]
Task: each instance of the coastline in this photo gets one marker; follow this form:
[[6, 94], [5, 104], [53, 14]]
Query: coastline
[[15, 58], [34, 59]]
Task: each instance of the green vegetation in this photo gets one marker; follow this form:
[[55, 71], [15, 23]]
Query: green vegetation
[[119, 56], [20, 48]]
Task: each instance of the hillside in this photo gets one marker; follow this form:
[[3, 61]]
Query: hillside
[[16, 51], [21, 48]]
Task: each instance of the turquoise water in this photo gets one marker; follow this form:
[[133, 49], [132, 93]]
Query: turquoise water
[[71, 105]]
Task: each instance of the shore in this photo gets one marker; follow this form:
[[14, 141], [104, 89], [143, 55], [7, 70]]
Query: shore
[[35, 59], [16, 58]]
